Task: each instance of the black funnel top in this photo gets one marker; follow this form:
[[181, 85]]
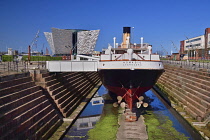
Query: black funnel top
[[126, 29]]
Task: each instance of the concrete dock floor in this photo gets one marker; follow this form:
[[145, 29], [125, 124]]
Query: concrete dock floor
[[135, 130]]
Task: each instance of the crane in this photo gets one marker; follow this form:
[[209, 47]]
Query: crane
[[175, 46], [34, 41], [164, 49]]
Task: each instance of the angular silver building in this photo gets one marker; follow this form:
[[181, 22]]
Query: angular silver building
[[71, 41], [86, 41]]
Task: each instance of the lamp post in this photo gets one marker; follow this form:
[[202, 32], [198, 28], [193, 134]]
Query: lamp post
[[188, 48], [132, 34], [194, 55]]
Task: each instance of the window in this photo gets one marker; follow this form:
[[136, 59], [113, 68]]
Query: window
[[194, 45], [196, 39]]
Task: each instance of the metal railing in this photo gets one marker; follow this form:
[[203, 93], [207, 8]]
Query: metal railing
[[20, 66], [189, 64]]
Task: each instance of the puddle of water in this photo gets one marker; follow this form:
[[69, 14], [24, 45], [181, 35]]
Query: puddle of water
[[87, 118]]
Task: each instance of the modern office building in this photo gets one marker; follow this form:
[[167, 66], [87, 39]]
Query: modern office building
[[197, 47], [64, 42]]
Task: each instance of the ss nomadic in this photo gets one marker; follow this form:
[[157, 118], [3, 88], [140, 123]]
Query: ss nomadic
[[128, 70]]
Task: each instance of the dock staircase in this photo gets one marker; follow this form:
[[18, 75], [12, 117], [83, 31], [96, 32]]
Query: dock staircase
[[69, 89], [189, 88], [25, 111]]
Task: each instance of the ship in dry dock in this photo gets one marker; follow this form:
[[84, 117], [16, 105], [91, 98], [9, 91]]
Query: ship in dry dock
[[129, 70]]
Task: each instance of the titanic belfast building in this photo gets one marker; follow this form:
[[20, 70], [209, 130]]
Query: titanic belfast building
[[64, 42]]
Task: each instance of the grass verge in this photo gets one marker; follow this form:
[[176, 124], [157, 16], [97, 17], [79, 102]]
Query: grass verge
[[161, 128]]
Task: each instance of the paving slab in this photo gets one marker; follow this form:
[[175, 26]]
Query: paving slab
[[135, 130]]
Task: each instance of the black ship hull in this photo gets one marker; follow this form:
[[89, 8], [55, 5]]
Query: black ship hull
[[123, 82]]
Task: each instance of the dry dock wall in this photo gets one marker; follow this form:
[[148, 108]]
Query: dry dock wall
[[25, 111], [68, 89], [32, 105], [189, 88]]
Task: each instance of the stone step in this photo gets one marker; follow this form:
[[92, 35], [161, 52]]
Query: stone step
[[198, 92], [48, 78], [47, 124], [60, 94], [74, 102], [192, 73], [26, 133], [46, 113], [84, 94], [190, 103], [14, 82], [194, 78], [51, 82], [21, 109], [16, 88], [62, 102], [185, 79], [85, 90], [54, 86], [51, 130], [16, 95], [21, 101], [186, 95], [74, 81], [71, 98], [45, 74], [72, 76], [57, 90], [14, 76], [28, 122], [5, 126], [65, 75]]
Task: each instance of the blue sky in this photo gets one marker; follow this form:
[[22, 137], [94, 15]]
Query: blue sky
[[158, 21]]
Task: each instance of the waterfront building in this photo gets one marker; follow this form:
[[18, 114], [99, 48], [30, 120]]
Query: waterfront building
[[197, 47], [64, 42]]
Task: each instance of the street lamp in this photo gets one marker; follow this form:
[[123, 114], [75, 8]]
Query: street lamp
[[132, 34], [188, 48]]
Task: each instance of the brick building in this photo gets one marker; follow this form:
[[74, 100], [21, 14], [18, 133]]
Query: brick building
[[197, 47]]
